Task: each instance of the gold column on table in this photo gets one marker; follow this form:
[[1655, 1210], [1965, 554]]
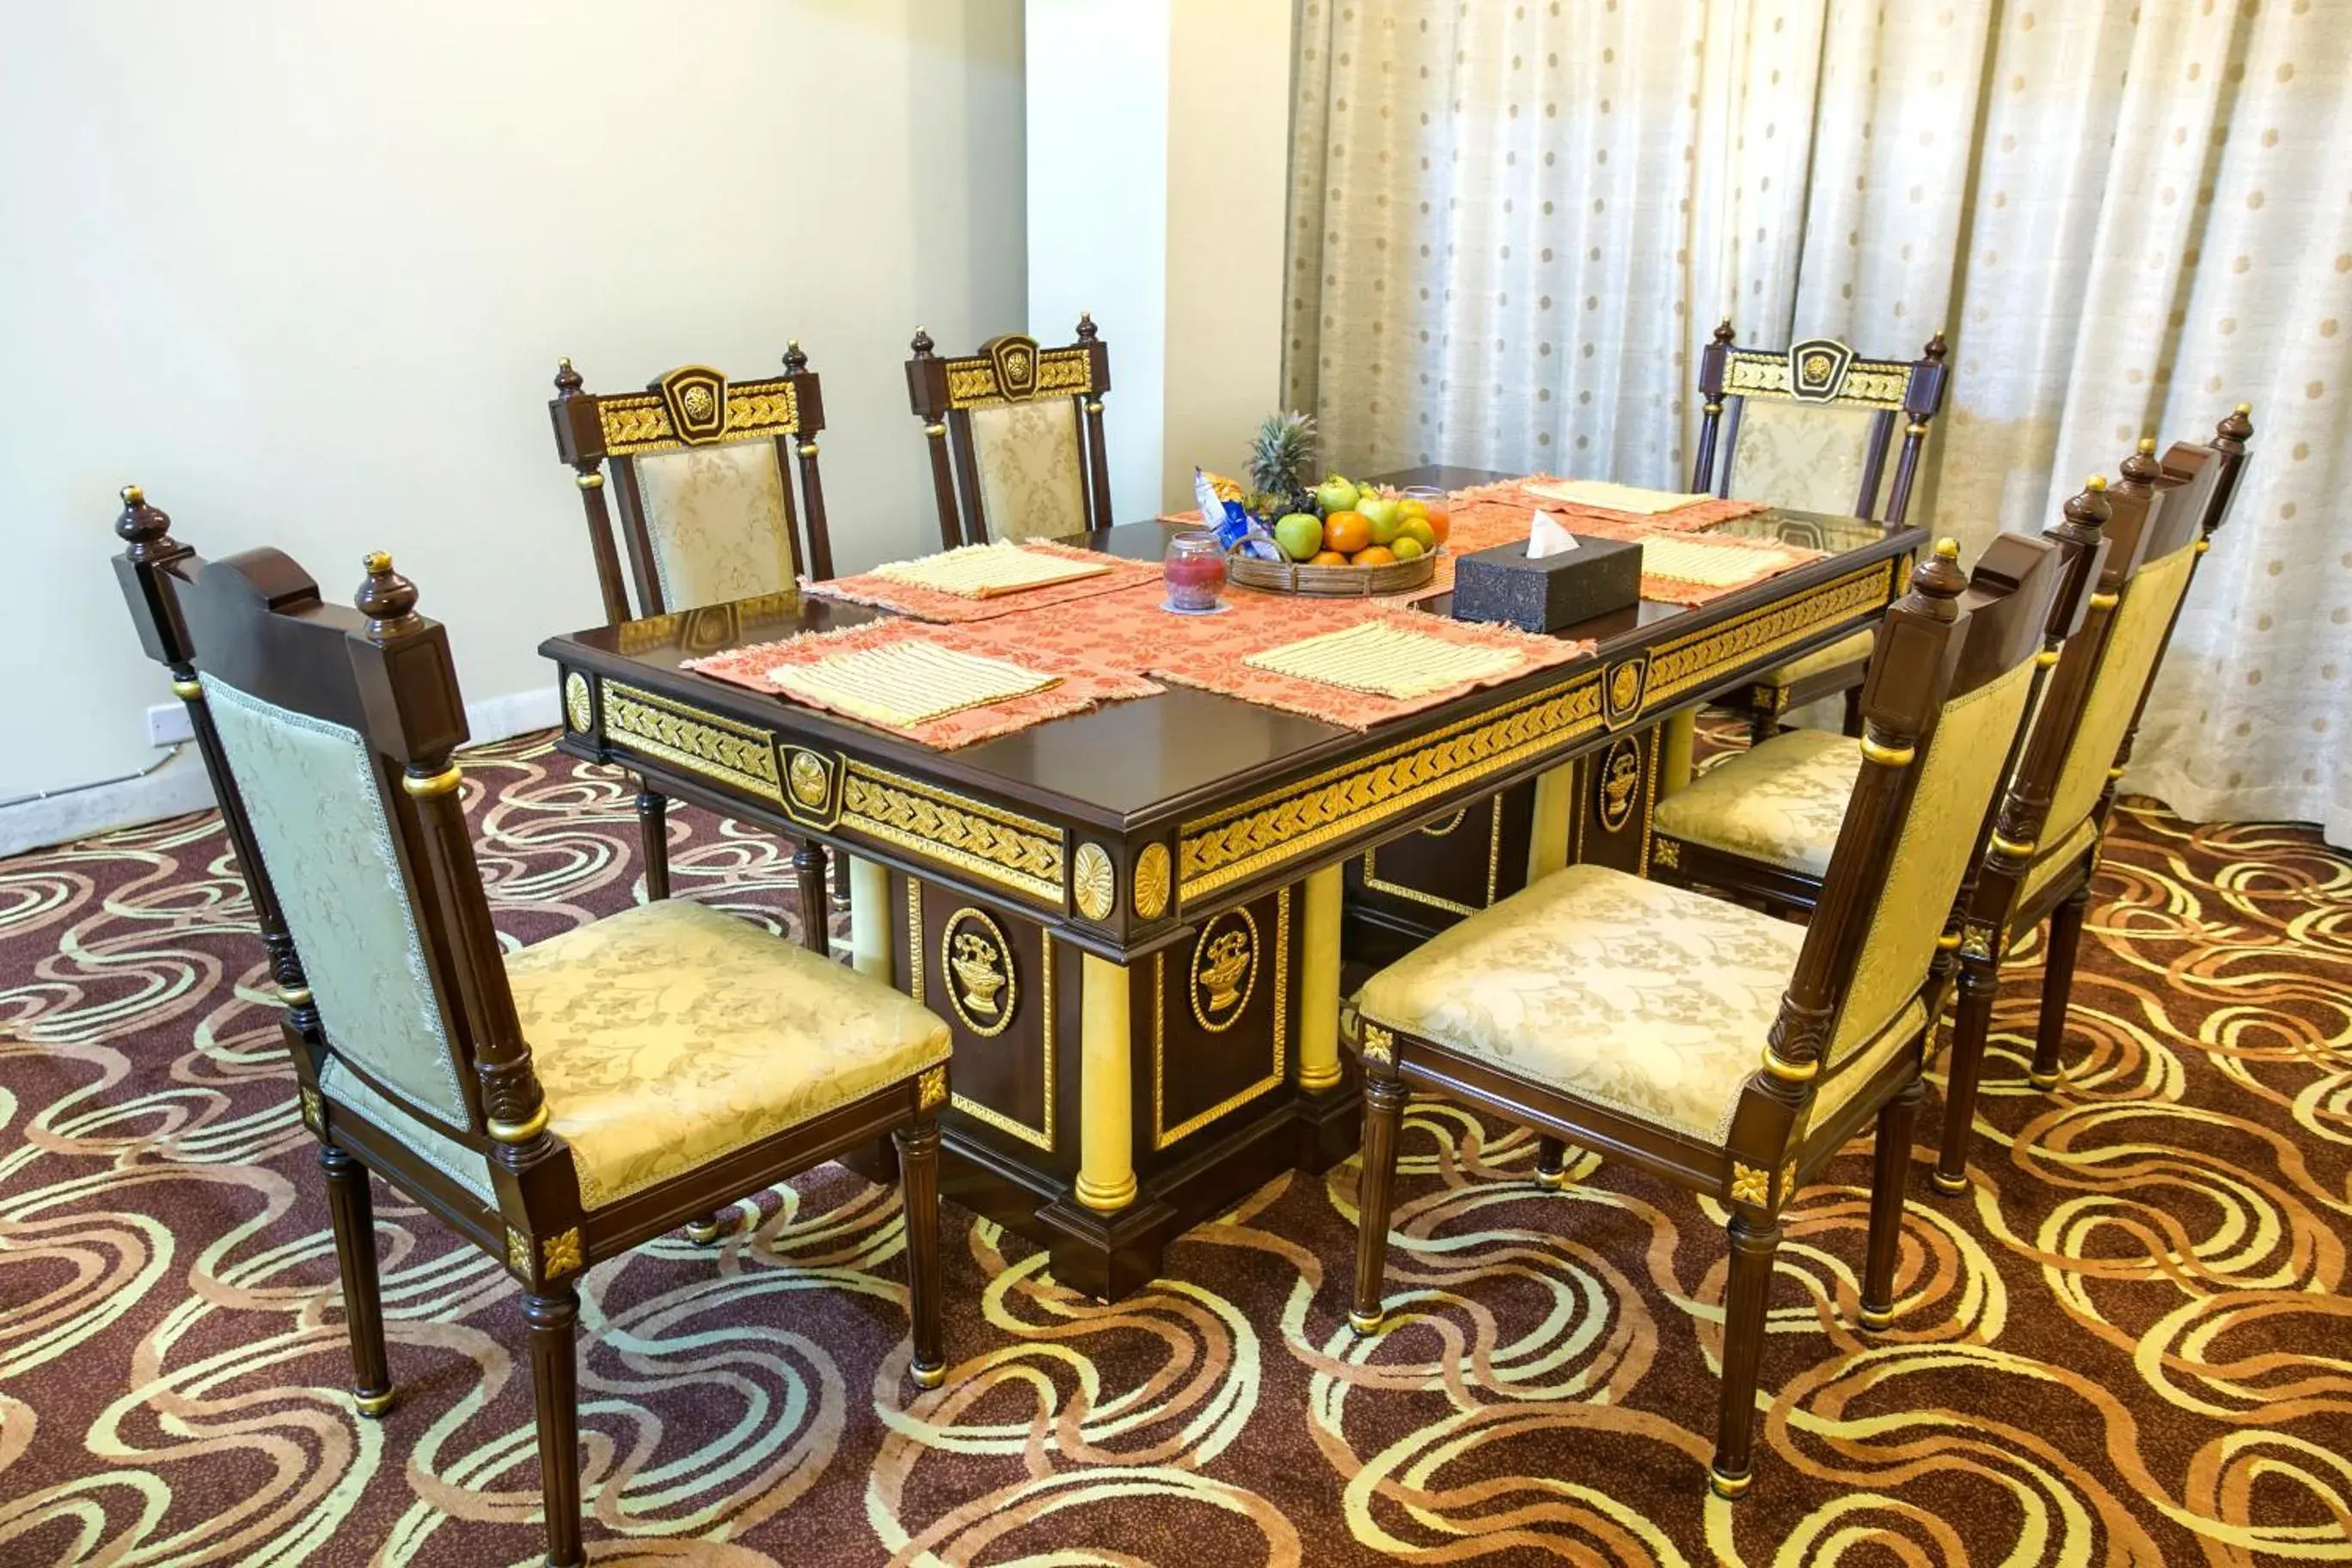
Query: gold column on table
[[1677, 744], [869, 918], [1318, 983], [1548, 828], [1105, 1089]]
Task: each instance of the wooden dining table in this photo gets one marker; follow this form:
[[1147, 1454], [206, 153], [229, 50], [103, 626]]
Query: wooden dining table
[[1138, 921]]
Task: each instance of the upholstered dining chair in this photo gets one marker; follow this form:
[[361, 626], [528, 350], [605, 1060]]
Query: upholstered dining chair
[[1811, 428], [556, 1105], [703, 469], [1016, 435], [1707, 1043], [1762, 825]]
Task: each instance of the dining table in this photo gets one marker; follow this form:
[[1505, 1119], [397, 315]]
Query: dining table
[[1139, 920]]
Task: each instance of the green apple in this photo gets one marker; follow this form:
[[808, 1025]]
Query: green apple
[[1416, 528], [1408, 548], [1384, 515], [1335, 494], [1299, 534]]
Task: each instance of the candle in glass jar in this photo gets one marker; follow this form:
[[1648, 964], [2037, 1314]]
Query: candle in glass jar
[[1194, 572]]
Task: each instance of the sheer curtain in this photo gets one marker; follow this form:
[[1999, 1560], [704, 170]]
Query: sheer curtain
[[1514, 224]]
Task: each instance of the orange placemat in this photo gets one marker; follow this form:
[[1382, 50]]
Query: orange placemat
[[956, 609], [1080, 684]]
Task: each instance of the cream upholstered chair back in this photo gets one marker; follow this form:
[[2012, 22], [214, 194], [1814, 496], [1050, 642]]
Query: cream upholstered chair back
[[702, 472], [1922, 806], [1812, 428], [1016, 435]]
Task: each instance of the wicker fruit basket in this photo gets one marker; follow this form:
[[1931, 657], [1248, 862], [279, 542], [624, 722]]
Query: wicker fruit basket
[[1331, 582]]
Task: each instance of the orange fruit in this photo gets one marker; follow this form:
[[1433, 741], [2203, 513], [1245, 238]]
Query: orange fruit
[[1373, 555], [1346, 532], [1327, 557]]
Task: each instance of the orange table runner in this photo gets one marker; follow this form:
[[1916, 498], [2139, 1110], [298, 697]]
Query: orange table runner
[[1504, 519], [955, 609]]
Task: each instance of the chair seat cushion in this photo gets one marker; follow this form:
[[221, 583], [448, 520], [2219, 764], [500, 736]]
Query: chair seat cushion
[[671, 1034], [1780, 803], [1649, 1000], [1847, 650], [2056, 860]]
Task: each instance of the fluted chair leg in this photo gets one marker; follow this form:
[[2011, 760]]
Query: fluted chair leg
[[1897, 1120], [2058, 986], [1852, 725], [653, 826], [351, 1210], [1551, 1163], [1384, 1101], [1979, 983], [816, 908], [549, 1321], [919, 1185], [1753, 1243]]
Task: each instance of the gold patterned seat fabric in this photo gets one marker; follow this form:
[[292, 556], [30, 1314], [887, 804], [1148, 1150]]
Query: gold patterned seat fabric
[[1031, 482], [1648, 999], [1844, 651], [1801, 457], [715, 517], [1780, 803], [671, 1034]]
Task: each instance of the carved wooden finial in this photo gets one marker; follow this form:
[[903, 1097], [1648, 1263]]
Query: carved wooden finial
[[387, 599], [142, 527], [1937, 581], [2087, 508], [2237, 425], [2141, 469], [795, 361], [1723, 332], [922, 344], [1936, 347], [567, 380], [1087, 332]]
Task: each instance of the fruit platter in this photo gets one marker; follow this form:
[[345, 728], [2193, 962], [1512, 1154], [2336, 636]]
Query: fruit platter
[[1289, 534]]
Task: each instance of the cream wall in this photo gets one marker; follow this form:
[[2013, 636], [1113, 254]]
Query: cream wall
[[304, 272]]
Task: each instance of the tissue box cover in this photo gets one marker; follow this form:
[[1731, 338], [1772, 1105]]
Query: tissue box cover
[[1502, 585]]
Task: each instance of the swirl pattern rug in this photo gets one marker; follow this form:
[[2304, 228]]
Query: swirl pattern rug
[[2128, 1346]]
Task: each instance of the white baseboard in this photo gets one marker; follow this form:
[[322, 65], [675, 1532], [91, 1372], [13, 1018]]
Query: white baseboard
[[182, 786]]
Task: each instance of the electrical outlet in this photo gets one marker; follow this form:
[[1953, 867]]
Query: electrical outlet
[[167, 724]]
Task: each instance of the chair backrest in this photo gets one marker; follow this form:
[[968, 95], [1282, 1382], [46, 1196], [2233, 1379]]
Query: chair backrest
[[2164, 514], [1943, 703], [702, 467], [1809, 426], [1016, 436], [328, 733]]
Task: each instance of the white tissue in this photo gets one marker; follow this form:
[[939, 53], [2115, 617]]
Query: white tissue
[[1546, 536]]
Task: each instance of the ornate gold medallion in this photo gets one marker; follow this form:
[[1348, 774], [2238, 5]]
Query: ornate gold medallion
[[560, 1254], [1094, 887], [1750, 1185], [579, 706], [808, 781], [978, 960], [931, 1087], [1619, 779], [1151, 882], [1225, 969]]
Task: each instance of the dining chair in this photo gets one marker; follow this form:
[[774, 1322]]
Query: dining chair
[[703, 470], [1712, 1044], [1016, 435], [1809, 427], [1760, 826], [556, 1105]]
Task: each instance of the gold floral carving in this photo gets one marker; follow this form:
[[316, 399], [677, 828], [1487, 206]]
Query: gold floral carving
[[638, 423], [1788, 1180], [579, 706], [519, 1254], [700, 742], [1750, 1185], [1288, 823], [978, 962], [972, 382], [1094, 885], [314, 1116], [1224, 970], [1151, 880], [931, 1087], [807, 779], [1379, 1044], [1869, 384], [1617, 780], [1667, 852], [560, 1254], [1015, 852]]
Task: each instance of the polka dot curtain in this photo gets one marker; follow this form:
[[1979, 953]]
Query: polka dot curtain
[[1514, 224]]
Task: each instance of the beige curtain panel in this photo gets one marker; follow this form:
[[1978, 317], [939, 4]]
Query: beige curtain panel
[[1515, 223]]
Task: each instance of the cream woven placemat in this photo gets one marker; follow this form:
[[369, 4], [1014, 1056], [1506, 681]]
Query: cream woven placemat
[[1385, 659], [1611, 497], [1709, 565], [984, 571], [909, 683]]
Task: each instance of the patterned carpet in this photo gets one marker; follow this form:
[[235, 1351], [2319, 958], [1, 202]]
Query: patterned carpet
[[2128, 1348]]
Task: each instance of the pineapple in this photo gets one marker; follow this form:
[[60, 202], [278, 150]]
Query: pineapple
[[1282, 459]]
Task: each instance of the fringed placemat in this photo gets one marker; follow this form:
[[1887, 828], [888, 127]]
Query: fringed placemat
[[1074, 685], [1484, 524], [1545, 491], [1387, 658], [1104, 575], [907, 683], [1606, 495], [988, 571]]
